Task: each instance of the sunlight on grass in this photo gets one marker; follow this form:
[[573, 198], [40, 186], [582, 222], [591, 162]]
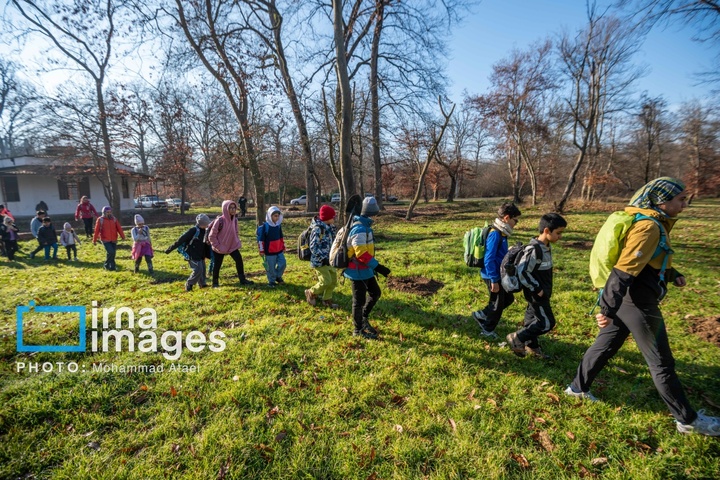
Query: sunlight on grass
[[294, 395]]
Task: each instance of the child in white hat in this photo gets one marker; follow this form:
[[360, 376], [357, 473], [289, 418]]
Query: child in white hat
[[69, 240], [142, 246]]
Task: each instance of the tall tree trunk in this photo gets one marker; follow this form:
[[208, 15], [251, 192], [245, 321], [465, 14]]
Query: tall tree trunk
[[109, 161], [346, 107], [375, 99]]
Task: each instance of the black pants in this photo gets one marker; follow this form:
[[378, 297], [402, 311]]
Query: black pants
[[71, 249], [218, 261], [365, 294], [88, 227], [11, 247], [539, 319], [498, 302], [648, 329]]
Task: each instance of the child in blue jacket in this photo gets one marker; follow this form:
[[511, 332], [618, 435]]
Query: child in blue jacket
[[496, 246], [272, 246]]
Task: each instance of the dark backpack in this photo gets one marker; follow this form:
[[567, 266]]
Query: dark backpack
[[182, 248], [508, 267], [219, 219], [303, 247]]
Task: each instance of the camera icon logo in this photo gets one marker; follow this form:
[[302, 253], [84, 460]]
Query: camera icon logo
[[21, 310]]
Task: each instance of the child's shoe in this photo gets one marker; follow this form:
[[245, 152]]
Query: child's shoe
[[536, 352], [365, 334], [582, 395], [245, 281], [515, 344], [703, 424], [188, 288], [137, 268], [367, 327], [310, 297], [330, 304], [280, 281], [272, 284]]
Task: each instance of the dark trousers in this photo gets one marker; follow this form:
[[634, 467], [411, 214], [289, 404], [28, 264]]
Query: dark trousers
[[71, 249], [498, 302], [198, 273], [218, 261], [648, 329], [365, 294], [110, 250], [148, 260], [11, 247], [88, 222], [539, 319]]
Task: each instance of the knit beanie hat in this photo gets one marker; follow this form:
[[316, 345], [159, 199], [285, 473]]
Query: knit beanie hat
[[326, 213], [369, 207], [138, 219], [106, 208], [67, 226], [202, 220]]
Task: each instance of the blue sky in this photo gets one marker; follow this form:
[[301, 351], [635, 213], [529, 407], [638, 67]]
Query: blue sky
[[496, 26]]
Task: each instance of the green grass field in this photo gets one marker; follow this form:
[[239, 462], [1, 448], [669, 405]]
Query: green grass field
[[294, 395]]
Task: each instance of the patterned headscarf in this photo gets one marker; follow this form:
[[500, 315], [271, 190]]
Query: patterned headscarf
[[656, 192]]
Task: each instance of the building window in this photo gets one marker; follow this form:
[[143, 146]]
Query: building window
[[68, 190], [10, 188], [125, 188], [84, 187]]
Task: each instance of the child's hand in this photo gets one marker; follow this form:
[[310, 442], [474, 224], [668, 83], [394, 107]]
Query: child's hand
[[680, 281], [602, 320], [494, 287]]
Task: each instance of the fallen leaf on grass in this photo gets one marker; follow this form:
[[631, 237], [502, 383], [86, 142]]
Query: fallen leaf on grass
[[471, 395], [453, 424], [144, 388], [570, 435], [281, 436], [585, 473], [543, 439], [88, 433], [520, 459], [599, 461], [173, 392], [398, 428], [540, 420], [175, 448], [553, 397], [402, 339], [492, 402], [372, 476], [94, 445], [256, 297], [236, 378], [224, 469]]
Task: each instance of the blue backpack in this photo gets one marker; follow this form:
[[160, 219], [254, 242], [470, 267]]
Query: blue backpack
[[182, 248]]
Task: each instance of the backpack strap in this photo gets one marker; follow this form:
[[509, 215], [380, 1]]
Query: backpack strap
[[662, 244]]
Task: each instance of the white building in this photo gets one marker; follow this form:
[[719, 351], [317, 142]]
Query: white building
[[27, 180]]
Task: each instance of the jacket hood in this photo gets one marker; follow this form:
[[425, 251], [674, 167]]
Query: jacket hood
[[667, 222], [268, 216], [367, 221], [226, 209]]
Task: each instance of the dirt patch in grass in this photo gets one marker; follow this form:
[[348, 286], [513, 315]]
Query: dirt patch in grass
[[706, 328], [580, 245], [418, 285]]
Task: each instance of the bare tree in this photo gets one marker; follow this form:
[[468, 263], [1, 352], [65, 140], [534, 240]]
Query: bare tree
[[436, 140], [17, 99], [651, 125], [84, 32], [597, 63], [700, 137]]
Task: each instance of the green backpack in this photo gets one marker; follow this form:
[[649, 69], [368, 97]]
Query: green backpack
[[610, 241], [474, 245]]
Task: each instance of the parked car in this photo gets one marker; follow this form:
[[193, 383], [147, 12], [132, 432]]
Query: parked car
[[175, 203], [335, 198], [301, 200], [150, 201]]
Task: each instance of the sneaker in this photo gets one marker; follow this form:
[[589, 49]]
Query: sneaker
[[203, 285], [272, 284], [137, 269], [365, 333], [245, 281], [480, 317], [703, 424], [330, 304], [215, 285], [280, 281], [536, 352], [583, 395], [515, 344], [188, 288], [310, 297], [368, 327]]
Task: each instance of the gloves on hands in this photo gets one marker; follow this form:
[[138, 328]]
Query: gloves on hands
[[168, 250], [382, 270]]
